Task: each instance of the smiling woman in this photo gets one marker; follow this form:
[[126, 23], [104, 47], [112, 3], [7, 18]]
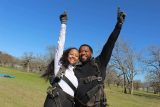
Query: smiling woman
[[70, 56], [62, 78]]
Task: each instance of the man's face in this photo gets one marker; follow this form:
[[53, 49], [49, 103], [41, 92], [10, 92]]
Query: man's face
[[85, 53]]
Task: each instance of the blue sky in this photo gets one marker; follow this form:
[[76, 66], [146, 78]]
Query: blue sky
[[32, 25]]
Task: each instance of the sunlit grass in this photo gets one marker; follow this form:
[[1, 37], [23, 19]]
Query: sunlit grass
[[26, 90], [139, 99], [29, 90]]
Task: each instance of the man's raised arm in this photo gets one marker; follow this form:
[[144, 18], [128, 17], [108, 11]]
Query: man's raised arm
[[106, 52]]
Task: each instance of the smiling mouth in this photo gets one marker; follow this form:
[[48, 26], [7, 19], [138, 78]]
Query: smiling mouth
[[83, 57]]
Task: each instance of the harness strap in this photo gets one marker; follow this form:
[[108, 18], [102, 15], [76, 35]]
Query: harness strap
[[61, 75], [69, 83], [96, 95], [53, 91], [58, 102], [90, 79]]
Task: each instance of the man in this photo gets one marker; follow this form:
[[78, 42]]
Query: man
[[92, 71]]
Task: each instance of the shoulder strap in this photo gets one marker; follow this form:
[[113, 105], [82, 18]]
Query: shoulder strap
[[69, 83], [99, 72], [61, 71], [60, 75], [95, 63]]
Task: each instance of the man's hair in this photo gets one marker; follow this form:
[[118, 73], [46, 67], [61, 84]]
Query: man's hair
[[90, 48]]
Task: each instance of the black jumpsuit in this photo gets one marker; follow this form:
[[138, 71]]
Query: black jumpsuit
[[89, 69]]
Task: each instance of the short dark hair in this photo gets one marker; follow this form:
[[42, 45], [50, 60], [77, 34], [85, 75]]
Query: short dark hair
[[90, 48]]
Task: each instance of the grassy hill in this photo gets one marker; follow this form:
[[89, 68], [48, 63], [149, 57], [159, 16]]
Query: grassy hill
[[29, 90], [26, 90]]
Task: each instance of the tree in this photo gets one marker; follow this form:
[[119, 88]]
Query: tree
[[124, 59], [137, 84], [50, 53], [111, 75], [152, 66], [6, 59], [26, 60], [39, 64]]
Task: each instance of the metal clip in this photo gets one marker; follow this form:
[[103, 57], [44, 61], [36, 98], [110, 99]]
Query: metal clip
[[99, 78]]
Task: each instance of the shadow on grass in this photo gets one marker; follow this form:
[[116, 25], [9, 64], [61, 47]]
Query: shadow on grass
[[149, 96]]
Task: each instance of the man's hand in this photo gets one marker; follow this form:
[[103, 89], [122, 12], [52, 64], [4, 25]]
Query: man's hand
[[121, 16], [63, 18]]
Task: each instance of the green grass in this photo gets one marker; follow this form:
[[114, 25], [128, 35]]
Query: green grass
[[29, 90], [139, 99], [26, 90]]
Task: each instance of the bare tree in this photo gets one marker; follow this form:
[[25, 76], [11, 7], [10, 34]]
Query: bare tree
[[152, 66], [124, 58], [137, 84], [39, 64], [26, 60], [118, 61], [50, 53], [130, 66], [6, 59], [111, 75]]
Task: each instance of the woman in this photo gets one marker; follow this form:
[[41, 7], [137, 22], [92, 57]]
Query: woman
[[63, 80]]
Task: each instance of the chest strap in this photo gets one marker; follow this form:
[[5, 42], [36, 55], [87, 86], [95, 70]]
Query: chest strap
[[61, 75], [69, 83], [90, 79]]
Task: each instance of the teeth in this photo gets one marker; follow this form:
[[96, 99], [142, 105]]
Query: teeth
[[83, 56]]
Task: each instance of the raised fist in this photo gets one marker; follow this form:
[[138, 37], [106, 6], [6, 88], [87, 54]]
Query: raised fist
[[121, 16], [63, 18]]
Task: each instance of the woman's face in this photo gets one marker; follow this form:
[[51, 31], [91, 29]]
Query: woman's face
[[73, 56]]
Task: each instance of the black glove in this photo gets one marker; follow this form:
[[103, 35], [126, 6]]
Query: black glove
[[121, 16], [63, 18]]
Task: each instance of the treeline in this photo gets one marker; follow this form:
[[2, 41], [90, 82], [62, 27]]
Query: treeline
[[124, 65], [28, 61]]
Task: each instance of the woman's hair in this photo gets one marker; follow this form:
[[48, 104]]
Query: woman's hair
[[63, 60], [49, 71]]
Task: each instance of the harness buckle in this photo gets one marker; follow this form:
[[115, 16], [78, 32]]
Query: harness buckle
[[52, 91], [99, 78]]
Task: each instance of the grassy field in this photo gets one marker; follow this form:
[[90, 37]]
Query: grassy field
[[139, 99], [26, 90], [29, 90]]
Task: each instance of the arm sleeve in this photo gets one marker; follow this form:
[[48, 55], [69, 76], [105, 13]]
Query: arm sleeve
[[106, 52], [60, 48]]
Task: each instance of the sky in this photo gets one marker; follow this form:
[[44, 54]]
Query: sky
[[33, 25]]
